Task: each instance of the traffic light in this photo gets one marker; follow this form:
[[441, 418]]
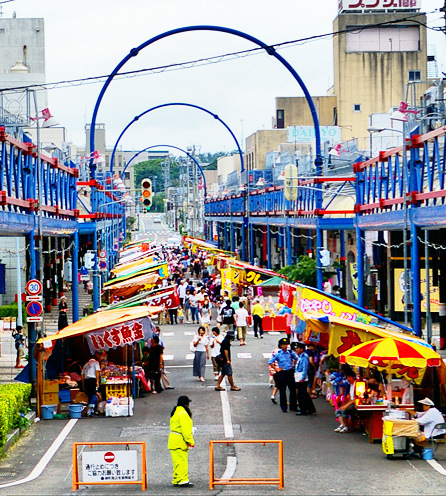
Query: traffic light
[[146, 194]]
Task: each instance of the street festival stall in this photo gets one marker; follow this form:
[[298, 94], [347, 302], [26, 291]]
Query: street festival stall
[[339, 326], [115, 334]]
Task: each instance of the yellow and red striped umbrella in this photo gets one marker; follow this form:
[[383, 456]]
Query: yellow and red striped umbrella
[[385, 352]]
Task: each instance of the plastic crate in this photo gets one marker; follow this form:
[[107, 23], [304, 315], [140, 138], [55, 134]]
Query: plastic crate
[[117, 389], [64, 395]]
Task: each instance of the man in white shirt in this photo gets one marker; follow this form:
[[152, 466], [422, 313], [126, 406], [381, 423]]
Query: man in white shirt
[[182, 291], [216, 340], [429, 418], [91, 378], [241, 316]]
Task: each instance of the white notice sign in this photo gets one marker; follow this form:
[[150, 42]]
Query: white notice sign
[[101, 466]]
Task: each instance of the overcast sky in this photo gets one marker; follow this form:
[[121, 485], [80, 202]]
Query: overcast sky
[[87, 38]]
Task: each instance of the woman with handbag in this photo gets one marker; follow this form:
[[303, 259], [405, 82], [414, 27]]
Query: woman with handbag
[[201, 346]]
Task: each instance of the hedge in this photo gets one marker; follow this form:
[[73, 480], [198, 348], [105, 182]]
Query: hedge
[[13, 397], [12, 311]]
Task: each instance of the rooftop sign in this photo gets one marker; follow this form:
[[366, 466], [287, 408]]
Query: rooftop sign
[[361, 5], [305, 134]]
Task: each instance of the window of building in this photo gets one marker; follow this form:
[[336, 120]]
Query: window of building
[[414, 76], [127, 175], [386, 39], [356, 107], [335, 116], [280, 118]]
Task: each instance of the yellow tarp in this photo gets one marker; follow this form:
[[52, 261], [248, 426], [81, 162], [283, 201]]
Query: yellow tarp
[[100, 320], [345, 334], [136, 281], [143, 263]]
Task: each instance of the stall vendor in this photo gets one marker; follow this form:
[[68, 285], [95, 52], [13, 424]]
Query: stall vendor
[[91, 378], [429, 418]]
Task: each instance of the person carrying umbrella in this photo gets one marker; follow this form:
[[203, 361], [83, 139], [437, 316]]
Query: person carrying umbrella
[[180, 441]]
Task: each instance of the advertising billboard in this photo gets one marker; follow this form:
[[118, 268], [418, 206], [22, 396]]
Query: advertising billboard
[[349, 5]]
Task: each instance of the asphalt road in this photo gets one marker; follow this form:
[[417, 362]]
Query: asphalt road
[[317, 460], [158, 232]]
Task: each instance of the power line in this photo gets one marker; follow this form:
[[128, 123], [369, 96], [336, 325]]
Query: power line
[[214, 59]]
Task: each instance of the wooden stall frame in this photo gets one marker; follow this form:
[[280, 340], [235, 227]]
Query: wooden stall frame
[[143, 480], [246, 481]]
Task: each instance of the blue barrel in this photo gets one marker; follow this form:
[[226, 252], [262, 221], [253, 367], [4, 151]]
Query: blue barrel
[[75, 411], [428, 454], [47, 412]]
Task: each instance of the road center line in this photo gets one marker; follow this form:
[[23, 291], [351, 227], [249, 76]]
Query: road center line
[[231, 462], [46, 458]]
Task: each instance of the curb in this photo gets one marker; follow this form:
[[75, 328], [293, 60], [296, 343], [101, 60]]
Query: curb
[[15, 434]]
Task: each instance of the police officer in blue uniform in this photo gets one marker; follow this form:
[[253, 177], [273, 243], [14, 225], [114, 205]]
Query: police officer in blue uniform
[[285, 359]]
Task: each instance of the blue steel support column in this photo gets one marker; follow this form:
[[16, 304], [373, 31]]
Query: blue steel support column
[[416, 282], [232, 237], [225, 236], [243, 227], [268, 246], [289, 245], [32, 332], [251, 243], [319, 247], [96, 285], [360, 265], [217, 226], [319, 239], [74, 271], [343, 267]]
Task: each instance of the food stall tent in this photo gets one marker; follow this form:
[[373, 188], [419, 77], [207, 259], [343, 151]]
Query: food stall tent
[[110, 331]]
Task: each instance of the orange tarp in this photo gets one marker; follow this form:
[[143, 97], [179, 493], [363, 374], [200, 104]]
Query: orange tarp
[[102, 319]]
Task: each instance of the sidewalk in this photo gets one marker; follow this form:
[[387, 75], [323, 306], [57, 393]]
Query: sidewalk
[[8, 357]]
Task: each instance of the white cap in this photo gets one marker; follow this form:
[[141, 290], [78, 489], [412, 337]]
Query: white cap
[[427, 402]]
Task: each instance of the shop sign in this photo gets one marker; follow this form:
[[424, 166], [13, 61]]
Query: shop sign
[[309, 301], [399, 293], [169, 299], [109, 466], [305, 134], [286, 295], [253, 277], [119, 335], [345, 5]]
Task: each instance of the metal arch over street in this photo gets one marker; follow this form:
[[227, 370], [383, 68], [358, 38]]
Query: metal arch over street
[[180, 104], [270, 51], [176, 148]]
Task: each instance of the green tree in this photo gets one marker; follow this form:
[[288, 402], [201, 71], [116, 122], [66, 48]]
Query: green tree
[[304, 271]]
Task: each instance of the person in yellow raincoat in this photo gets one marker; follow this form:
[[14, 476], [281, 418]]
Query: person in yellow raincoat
[[180, 440]]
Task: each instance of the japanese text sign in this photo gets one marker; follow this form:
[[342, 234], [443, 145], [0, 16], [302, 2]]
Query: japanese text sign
[[102, 466], [378, 4], [119, 335]]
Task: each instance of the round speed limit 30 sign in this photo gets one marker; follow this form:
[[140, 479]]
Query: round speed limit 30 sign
[[33, 287]]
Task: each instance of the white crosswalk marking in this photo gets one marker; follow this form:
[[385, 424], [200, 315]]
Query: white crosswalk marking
[[267, 355], [250, 332], [274, 333], [244, 355], [168, 358], [190, 356], [189, 333], [168, 334]]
